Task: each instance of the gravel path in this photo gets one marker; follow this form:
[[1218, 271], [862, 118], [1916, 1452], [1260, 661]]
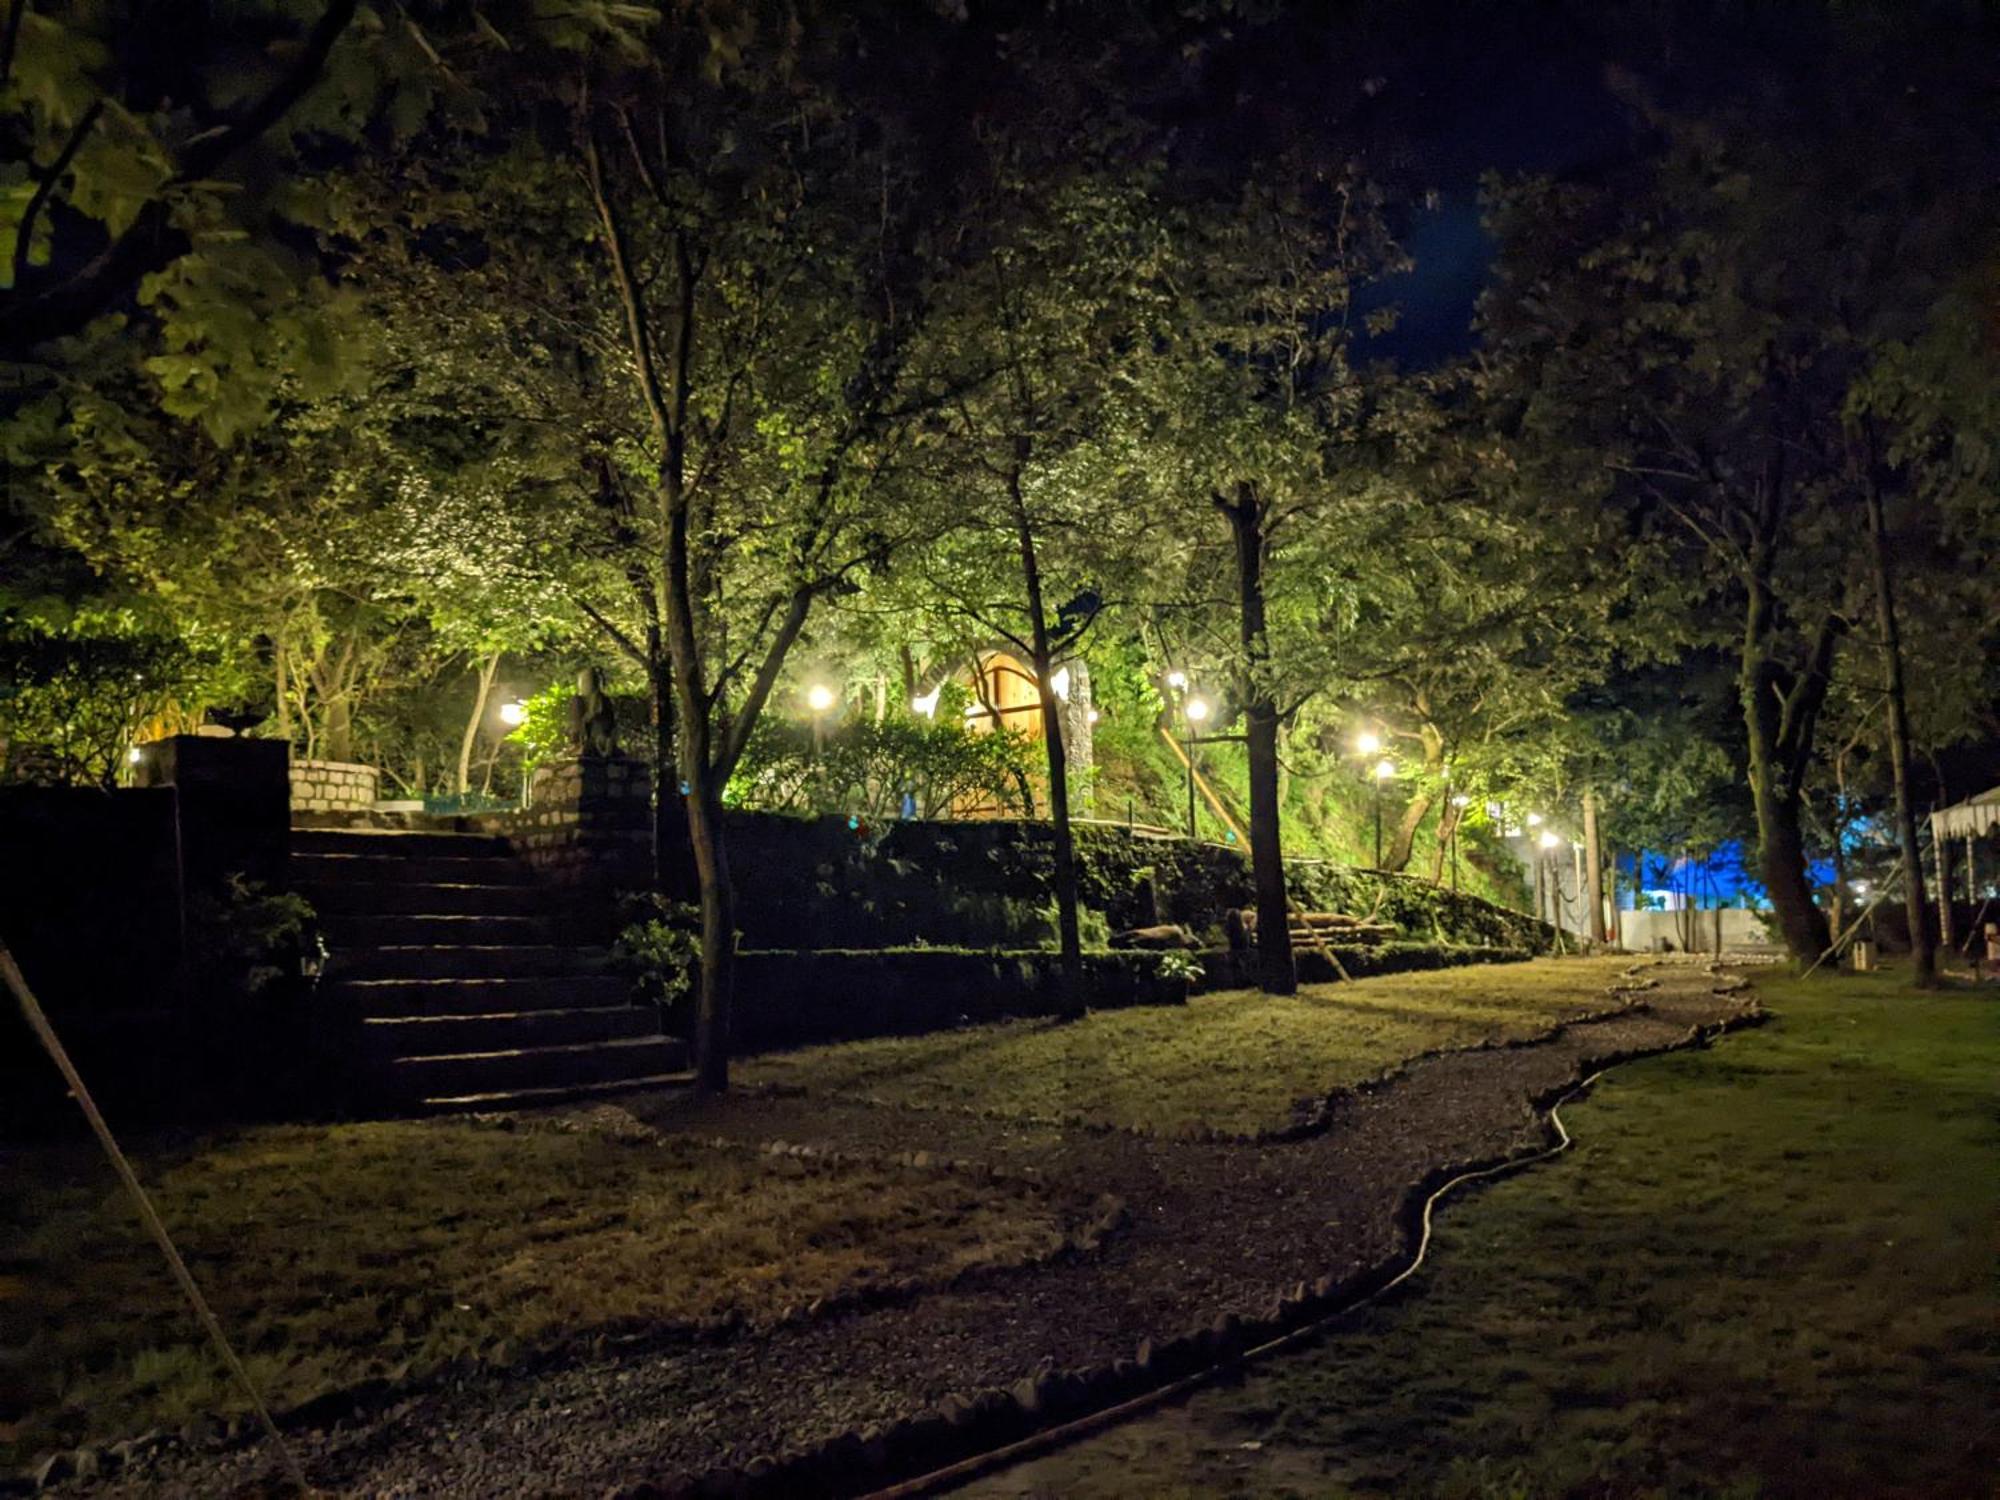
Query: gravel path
[[1213, 1228]]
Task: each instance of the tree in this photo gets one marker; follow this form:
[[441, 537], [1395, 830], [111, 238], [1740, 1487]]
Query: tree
[[756, 219], [1700, 319], [1255, 396]]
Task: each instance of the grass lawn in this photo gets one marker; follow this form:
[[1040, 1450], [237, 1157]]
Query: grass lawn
[[1235, 1061], [1765, 1270], [334, 1254]]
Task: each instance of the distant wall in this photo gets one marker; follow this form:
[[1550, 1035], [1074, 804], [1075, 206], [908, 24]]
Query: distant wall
[[1722, 929]]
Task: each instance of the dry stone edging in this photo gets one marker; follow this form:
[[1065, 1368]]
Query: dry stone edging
[[967, 1425]]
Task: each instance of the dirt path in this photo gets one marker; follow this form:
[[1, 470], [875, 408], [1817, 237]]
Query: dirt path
[[1212, 1229]]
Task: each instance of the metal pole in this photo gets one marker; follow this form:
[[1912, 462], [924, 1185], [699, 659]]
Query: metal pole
[[1454, 858], [1190, 781], [1378, 822]]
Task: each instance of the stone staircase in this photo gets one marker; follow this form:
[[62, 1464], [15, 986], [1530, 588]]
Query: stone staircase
[[443, 954]]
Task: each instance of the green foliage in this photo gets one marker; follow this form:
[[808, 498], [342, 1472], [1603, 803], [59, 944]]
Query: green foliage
[[75, 694], [244, 943], [867, 767], [659, 946], [1179, 964]]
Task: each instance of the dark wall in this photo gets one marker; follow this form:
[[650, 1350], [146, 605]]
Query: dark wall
[[89, 895], [793, 999]]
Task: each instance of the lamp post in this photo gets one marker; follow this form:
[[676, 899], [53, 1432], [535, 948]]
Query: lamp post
[[819, 698], [1545, 869], [1193, 710], [1459, 804], [1384, 769]]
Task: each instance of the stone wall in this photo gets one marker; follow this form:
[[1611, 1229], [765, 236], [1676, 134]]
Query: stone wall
[[587, 828], [797, 999], [333, 786]]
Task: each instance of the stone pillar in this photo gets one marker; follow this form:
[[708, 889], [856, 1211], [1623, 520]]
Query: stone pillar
[[232, 804]]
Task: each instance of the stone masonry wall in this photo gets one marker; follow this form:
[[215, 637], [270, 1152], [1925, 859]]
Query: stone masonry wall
[[333, 786], [587, 824]]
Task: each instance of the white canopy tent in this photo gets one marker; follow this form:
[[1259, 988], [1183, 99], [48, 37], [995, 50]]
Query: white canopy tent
[[1975, 818]]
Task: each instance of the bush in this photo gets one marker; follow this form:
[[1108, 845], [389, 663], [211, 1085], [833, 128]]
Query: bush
[[900, 766], [659, 946], [75, 696]]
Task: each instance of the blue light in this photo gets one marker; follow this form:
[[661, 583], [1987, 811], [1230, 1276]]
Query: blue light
[[853, 821]]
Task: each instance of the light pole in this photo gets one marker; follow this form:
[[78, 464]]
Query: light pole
[[819, 698], [1458, 805], [1193, 710], [1384, 769], [1545, 869]]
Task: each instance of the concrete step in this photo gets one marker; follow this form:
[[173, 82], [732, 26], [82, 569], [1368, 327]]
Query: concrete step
[[399, 844], [531, 1098], [455, 1075], [414, 869], [477, 997], [500, 1031], [452, 898], [437, 961], [390, 929]]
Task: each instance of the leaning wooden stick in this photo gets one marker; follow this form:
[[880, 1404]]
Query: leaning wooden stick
[[10, 973]]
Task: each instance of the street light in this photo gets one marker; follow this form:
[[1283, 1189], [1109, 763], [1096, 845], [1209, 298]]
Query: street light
[[819, 698], [1177, 681], [1367, 742], [1384, 769], [1195, 710], [514, 714]]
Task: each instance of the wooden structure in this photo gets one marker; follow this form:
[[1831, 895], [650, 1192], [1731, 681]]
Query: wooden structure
[[1971, 820]]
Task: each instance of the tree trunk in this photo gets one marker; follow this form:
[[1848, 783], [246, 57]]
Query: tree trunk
[[1778, 736], [1593, 862], [1276, 972], [670, 845], [714, 1014], [1069, 936], [1405, 839], [488, 670], [1915, 905]]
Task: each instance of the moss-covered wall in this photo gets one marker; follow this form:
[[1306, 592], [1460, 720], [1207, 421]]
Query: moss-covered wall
[[822, 883]]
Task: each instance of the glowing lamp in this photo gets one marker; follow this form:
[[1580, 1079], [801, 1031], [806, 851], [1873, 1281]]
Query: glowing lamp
[[819, 697], [1177, 681], [1367, 742], [1384, 769], [513, 714], [1550, 840], [1197, 710], [1534, 820], [132, 756]]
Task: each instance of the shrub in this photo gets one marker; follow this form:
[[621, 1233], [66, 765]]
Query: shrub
[[881, 770], [74, 696]]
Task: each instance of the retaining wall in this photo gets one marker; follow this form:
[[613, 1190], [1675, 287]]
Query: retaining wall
[[334, 786], [792, 999]]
